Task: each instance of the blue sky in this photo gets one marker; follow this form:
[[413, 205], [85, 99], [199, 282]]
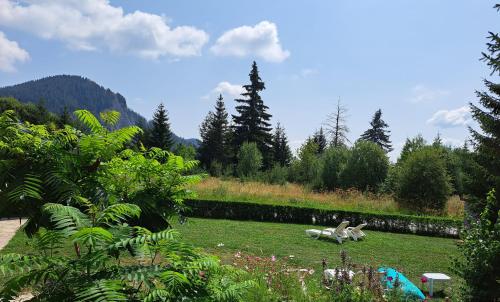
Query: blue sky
[[416, 60]]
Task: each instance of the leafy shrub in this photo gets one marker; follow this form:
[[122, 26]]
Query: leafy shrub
[[158, 266], [480, 262], [334, 162], [423, 182], [216, 168], [249, 160], [306, 168], [394, 223], [276, 175], [366, 167]]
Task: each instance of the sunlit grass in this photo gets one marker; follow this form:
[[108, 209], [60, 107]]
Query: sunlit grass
[[294, 194]]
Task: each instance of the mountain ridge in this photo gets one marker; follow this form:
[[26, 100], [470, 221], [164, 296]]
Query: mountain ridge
[[74, 92]]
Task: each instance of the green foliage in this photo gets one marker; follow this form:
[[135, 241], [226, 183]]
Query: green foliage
[[306, 169], [377, 133], [249, 160], [412, 145], [479, 261], [276, 175], [366, 167], [251, 124], [113, 261], [216, 137], [282, 153], [161, 135], [395, 223], [423, 181], [334, 162]]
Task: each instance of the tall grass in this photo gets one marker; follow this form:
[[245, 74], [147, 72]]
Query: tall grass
[[294, 194]]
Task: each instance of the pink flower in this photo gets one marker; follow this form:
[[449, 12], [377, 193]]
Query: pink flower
[[389, 278], [273, 258], [423, 279]]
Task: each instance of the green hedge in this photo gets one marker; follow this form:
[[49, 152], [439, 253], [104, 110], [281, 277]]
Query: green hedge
[[395, 223]]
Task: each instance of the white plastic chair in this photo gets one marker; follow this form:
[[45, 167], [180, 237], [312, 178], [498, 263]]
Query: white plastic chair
[[339, 233], [356, 232]]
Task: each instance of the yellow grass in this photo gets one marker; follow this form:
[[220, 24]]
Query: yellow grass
[[293, 194]]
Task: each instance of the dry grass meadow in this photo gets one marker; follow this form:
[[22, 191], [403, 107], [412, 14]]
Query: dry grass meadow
[[294, 194]]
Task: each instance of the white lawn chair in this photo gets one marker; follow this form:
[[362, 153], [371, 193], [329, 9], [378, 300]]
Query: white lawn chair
[[356, 232], [339, 233]]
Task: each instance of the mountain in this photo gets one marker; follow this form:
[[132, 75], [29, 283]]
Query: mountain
[[76, 92]]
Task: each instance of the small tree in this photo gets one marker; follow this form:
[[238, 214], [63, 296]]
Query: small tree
[[249, 160], [307, 168], [411, 145], [320, 139], [282, 153], [423, 181], [480, 262], [366, 167], [161, 136], [334, 162], [378, 133]]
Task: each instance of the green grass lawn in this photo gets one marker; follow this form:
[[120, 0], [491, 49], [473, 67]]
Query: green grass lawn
[[410, 254]]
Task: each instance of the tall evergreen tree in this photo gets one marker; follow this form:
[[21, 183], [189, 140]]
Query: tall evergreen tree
[[281, 150], [215, 136], [64, 118], [378, 132], [161, 136], [251, 124], [487, 141], [320, 139], [336, 126]]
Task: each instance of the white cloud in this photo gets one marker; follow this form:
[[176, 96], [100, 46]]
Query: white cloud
[[227, 90], [454, 142], [10, 54], [261, 41], [451, 118], [421, 93], [96, 24]]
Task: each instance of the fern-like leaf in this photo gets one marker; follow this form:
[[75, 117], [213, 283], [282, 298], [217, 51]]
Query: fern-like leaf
[[110, 117], [66, 218], [102, 291], [117, 213], [30, 188], [89, 120]]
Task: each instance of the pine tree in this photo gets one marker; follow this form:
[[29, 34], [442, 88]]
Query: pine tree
[[487, 141], [252, 122], [215, 136], [64, 118], [336, 126], [378, 133], [320, 139], [281, 150], [161, 136]]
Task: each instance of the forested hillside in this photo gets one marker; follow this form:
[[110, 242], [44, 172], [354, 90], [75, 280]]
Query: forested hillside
[[70, 92]]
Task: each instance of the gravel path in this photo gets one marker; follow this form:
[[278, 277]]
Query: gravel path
[[8, 228]]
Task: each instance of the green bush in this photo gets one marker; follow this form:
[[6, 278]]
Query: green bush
[[307, 167], [249, 160], [334, 162], [366, 167], [423, 182], [277, 175], [480, 261]]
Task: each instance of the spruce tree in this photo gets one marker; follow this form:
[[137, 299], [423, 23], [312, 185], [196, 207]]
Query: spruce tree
[[320, 139], [64, 118], [215, 136], [487, 141], [161, 136], [251, 124], [378, 132], [281, 150]]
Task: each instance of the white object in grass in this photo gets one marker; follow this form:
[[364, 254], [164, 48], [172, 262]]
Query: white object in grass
[[431, 277], [356, 232], [339, 233], [330, 274]]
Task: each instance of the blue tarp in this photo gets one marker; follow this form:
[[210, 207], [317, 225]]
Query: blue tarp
[[406, 285]]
